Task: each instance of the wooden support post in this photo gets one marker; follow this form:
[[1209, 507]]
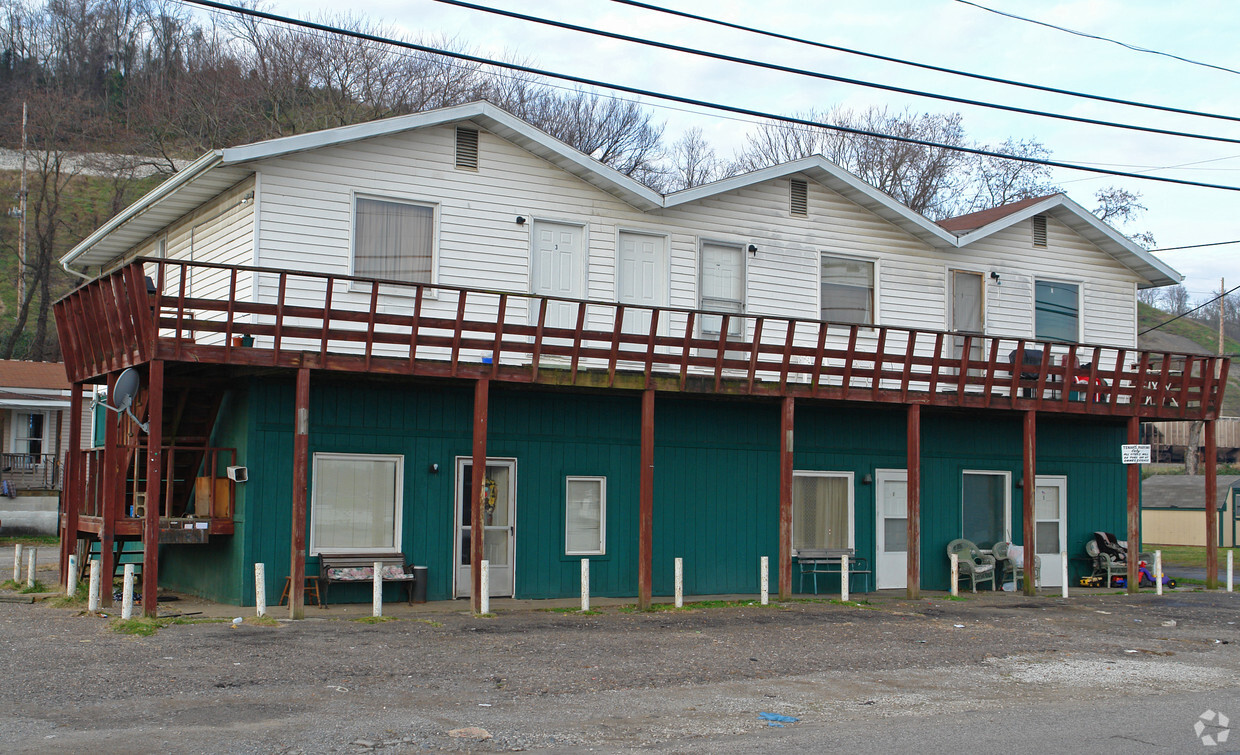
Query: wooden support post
[[1134, 509], [787, 418], [481, 393], [645, 517], [301, 474], [1211, 473], [154, 473], [71, 489], [1029, 476], [913, 488], [110, 471]]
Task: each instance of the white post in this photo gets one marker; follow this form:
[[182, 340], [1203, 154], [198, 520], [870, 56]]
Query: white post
[[1063, 572], [844, 578], [377, 579], [764, 576], [680, 583], [92, 603], [17, 562], [585, 584], [484, 602], [260, 589], [1230, 570], [30, 567], [71, 577], [127, 594], [1157, 573], [955, 559]]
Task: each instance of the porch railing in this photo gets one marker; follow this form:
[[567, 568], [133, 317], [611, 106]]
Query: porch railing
[[31, 471], [263, 317]]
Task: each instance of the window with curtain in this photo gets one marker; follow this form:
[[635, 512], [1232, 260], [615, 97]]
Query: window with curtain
[[984, 508], [585, 516], [393, 240], [847, 290], [29, 432], [1056, 311], [356, 503], [822, 514], [723, 287]]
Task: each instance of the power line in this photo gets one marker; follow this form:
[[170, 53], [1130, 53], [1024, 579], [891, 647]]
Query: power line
[[1100, 39], [1195, 246], [830, 77], [692, 101], [926, 66], [1189, 312]]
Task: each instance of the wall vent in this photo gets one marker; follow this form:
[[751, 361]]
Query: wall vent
[[798, 197], [467, 148], [1039, 230]]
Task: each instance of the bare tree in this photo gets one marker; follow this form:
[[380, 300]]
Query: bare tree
[[693, 162], [1176, 299], [1149, 296], [618, 133]]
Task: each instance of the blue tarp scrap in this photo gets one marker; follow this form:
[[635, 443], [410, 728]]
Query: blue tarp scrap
[[774, 719]]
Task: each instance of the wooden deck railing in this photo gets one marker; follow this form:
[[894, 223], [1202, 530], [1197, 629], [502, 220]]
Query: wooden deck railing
[[265, 317]]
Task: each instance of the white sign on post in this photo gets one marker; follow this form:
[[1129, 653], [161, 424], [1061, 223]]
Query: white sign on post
[[1135, 453]]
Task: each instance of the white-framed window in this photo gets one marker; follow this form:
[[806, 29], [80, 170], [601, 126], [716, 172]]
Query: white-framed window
[[393, 239], [356, 503], [30, 433], [847, 290], [585, 516], [986, 507], [722, 286], [822, 510], [1056, 311]]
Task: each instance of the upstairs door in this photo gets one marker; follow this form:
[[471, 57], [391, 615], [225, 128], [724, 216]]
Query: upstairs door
[[499, 510], [640, 278], [891, 541], [968, 314], [558, 269], [1050, 526]]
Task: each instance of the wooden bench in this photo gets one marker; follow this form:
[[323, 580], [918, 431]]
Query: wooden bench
[[360, 567]]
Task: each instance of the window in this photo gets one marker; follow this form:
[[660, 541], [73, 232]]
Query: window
[[356, 504], [847, 290], [1056, 311], [822, 510], [723, 287], [585, 516], [985, 508], [1039, 230], [393, 240], [798, 197], [30, 432]]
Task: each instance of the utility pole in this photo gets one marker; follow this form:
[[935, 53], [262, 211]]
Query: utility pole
[[21, 231]]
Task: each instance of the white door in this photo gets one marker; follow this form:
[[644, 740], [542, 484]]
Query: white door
[[559, 266], [891, 539], [1050, 526], [640, 278], [499, 524], [968, 314]]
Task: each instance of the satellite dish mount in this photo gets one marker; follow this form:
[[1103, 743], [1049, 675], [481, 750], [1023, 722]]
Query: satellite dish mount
[[123, 394]]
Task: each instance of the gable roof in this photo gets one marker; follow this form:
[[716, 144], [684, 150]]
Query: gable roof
[[1183, 491], [217, 170], [975, 220], [44, 375]]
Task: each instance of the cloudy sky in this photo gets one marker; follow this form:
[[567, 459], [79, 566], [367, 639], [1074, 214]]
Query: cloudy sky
[[947, 33]]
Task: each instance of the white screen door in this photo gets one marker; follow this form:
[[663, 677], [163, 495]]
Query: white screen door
[[891, 541], [1050, 526], [968, 314], [499, 524], [559, 266], [639, 278]]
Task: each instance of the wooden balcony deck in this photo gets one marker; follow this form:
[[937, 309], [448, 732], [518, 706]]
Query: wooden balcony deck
[[262, 317]]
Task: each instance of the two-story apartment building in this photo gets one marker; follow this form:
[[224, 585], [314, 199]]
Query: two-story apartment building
[[377, 320]]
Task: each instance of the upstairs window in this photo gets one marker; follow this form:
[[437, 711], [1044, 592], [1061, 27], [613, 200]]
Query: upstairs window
[[847, 290], [722, 278], [393, 240], [1057, 314], [1039, 230]]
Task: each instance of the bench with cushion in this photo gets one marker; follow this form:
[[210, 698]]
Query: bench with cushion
[[360, 567]]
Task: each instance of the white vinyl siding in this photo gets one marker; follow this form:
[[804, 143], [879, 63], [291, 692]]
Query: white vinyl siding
[[356, 503], [585, 516]]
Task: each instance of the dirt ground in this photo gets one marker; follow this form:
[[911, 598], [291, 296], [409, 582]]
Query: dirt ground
[[685, 681]]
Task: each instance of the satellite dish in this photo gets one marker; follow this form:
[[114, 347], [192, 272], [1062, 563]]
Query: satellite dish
[[123, 394]]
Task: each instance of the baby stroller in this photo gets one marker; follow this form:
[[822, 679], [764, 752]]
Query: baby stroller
[[1110, 560]]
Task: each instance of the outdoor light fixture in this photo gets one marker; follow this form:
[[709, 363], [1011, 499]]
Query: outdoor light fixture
[[995, 277], [753, 249], [867, 479], [434, 469], [520, 220]]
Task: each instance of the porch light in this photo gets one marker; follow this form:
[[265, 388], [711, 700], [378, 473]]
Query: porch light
[[520, 220], [753, 249], [995, 277]]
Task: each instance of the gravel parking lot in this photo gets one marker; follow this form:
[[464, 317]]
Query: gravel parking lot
[[687, 681]]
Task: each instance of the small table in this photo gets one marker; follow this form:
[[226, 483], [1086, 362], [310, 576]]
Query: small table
[[312, 589], [830, 561]]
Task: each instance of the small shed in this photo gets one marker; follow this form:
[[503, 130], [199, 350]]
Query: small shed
[[1173, 510]]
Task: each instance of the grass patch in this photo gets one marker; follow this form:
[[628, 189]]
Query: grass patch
[[262, 621], [1188, 555], [12, 584], [80, 597], [141, 626], [36, 587], [429, 622], [572, 611], [39, 541], [374, 619], [956, 597]]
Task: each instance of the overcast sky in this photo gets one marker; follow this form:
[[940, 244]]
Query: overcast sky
[[941, 32]]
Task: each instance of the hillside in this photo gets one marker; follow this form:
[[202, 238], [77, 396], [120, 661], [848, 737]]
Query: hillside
[[1187, 335]]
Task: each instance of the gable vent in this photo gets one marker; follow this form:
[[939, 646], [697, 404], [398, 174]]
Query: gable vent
[[798, 199], [1039, 230], [467, 148]]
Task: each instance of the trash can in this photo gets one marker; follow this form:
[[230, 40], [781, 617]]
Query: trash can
[[419, 584]]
